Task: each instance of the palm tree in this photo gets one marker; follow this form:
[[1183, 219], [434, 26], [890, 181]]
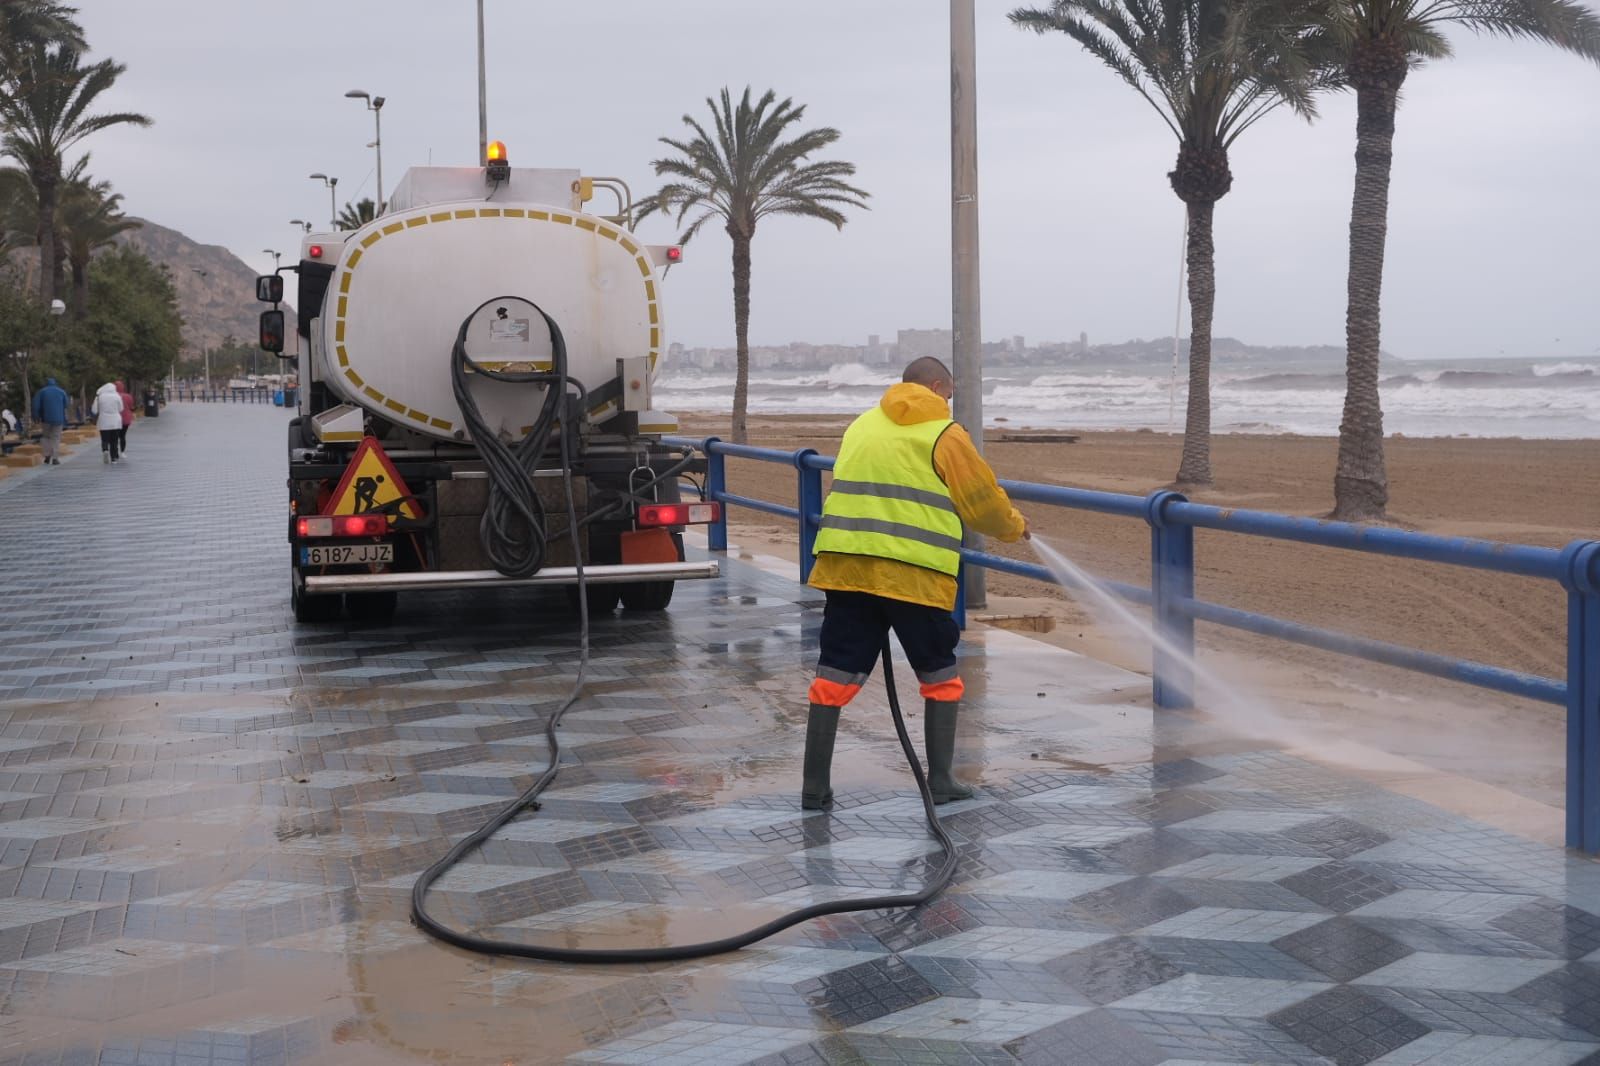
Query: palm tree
[[89, 218], [1211, 69], [1382, 40], [26, 23], [47, 116], [742, 173], [358, 214]]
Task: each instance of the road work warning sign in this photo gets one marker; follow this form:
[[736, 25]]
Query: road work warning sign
[[371, 483]]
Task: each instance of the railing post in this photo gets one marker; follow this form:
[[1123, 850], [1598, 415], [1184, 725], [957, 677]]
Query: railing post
[[1171, 580], [1580, 573], [808, 502], [960, 611], [716, 488]]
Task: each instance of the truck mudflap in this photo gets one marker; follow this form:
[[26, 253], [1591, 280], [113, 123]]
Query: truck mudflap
[[468, 579]]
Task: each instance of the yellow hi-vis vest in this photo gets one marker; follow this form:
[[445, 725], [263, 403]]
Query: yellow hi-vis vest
[[887, 499]]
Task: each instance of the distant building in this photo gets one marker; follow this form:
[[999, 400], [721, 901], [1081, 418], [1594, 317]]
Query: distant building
[[920, 343]]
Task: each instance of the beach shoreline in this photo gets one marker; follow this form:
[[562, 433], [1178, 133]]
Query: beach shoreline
[[1515, 490]]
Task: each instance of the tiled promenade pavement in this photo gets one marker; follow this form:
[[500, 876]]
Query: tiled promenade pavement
[[210, 820]]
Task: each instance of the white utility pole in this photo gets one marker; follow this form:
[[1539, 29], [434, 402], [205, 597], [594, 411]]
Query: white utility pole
[[967, 351], [483, 97]]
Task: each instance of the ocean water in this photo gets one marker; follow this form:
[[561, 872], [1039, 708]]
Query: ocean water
[[1553, 399]]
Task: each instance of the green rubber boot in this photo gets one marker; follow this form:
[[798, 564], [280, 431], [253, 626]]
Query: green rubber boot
[[939, 732], [816, 794]]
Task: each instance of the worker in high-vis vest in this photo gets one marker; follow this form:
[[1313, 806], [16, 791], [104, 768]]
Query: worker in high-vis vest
[[887, 554]]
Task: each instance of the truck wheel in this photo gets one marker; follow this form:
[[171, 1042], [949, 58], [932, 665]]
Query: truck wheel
[[602, 599], [653, 595], [371, 606], [311, 609], [647, 595]]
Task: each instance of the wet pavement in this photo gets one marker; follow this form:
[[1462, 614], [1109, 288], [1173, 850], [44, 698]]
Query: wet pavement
[[210, 820]]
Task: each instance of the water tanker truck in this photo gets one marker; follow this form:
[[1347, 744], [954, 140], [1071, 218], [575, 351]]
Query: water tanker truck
[[475, 370]]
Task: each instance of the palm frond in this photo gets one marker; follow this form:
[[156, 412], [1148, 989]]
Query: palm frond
[[1210, 68], [752, 159], [1566, 24]]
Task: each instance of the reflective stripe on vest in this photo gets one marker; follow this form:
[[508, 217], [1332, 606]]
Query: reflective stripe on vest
[[887, 499]]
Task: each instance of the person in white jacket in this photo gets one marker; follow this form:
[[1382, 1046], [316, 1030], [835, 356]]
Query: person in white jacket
[[107, 411]]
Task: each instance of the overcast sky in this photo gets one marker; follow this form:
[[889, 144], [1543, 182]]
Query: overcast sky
[[1494, 238]]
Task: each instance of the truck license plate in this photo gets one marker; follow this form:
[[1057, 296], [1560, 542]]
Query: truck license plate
[[349, 554]]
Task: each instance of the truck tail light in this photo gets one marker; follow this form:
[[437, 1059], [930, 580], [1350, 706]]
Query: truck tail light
[[354, 525], [679, 514]]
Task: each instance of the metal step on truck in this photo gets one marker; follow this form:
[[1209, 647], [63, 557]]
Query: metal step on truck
[[474, 410]]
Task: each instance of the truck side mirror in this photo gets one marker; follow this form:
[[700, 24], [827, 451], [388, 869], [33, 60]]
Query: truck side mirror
[[272, 331], [269, 289]]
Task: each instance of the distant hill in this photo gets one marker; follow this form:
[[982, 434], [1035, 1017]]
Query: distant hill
[[219, 303]]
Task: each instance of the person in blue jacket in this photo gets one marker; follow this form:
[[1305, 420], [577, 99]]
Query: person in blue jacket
[[50, 411]]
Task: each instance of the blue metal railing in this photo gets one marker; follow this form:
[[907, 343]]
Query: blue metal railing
[[1172, 520]]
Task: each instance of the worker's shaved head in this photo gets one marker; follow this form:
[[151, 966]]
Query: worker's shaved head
[[928, 372]]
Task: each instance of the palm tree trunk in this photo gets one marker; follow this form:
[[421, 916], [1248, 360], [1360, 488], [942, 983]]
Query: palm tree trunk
[[46, 235], [1361, 483], [1195, 468], [27, 387], [741, 338], [80, 288]]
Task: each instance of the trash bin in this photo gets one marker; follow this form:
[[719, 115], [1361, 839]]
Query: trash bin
[[152, 403], [291, 396], [277, 398]]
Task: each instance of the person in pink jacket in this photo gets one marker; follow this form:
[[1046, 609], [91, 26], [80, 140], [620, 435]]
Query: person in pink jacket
[[127, 413]]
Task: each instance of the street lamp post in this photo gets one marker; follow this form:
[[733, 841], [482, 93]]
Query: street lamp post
[[333, 203], [276, 256], [300, 222], [375, 105], [204, 350]]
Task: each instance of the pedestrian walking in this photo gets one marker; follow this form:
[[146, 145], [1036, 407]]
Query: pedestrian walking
[[127, 414], [887, 556], [50, 411], [107, 411]]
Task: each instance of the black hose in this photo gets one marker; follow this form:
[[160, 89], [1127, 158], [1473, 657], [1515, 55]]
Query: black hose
[[512, 530], [529, 798]]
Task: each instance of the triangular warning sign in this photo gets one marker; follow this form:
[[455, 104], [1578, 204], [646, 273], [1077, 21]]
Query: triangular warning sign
[[370, 482]]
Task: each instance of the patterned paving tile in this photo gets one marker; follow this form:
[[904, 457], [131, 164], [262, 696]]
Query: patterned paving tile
[[1343, 949], [1459, 973], [1233, 997], [1215, 923], [1465, 1049], [1484, 1013], [691, 1043], [1193, 1040], [970, 1020], [1010, 946], [1348, 1026]]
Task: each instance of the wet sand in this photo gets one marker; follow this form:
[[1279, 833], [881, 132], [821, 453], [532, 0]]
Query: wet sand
[[1525, 491]]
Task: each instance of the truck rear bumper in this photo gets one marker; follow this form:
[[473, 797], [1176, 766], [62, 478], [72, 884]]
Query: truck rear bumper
[[469, 579]]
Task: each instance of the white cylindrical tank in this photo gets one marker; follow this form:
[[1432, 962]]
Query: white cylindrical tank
[[403, 284]]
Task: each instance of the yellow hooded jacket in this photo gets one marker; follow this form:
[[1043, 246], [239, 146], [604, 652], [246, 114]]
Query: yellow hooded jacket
[[982, 504]]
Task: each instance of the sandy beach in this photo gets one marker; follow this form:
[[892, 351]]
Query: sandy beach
[[1526, 491]]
